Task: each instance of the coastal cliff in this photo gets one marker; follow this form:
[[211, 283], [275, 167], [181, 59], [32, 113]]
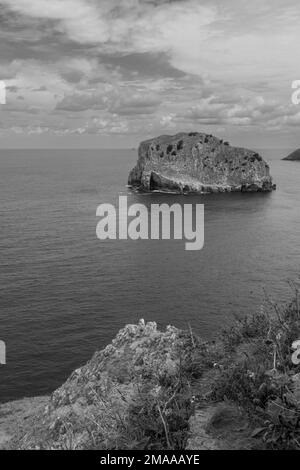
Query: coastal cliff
[[198, 163], [152, 389], [127, 387]]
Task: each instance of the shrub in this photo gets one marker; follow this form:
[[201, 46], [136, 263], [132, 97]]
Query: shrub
[[160, 421], [265, 383], [180, 145]]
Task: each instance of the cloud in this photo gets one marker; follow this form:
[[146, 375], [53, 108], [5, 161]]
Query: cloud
[[141, 66], [81, 102], [136, 104], [248, 112], [224, 40], [130, 26]]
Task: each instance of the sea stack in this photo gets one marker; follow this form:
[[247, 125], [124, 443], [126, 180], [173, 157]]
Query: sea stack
[[294, 156], [198, 163]]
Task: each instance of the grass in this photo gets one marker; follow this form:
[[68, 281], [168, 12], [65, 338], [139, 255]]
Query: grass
[[253, 370], [262, 378], [251, 366]]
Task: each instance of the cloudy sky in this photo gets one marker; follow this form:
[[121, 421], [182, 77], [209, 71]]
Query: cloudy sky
[[106, 73]]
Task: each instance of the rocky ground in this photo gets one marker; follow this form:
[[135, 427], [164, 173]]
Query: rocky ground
[[152, 389], [17, 418]]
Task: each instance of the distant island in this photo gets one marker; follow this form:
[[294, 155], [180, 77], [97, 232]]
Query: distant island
[[200, 163], [294, 156], [162, 390]]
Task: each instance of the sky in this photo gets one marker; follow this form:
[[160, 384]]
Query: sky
[[107, 73]]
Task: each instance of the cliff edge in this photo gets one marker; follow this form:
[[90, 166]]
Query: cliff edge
[[152, 389], [198, 163], [127, 387]]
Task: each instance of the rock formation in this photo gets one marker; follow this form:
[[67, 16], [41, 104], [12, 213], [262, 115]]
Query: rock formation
[[152, 389], [294, 156], [198, 163], [103, 403]]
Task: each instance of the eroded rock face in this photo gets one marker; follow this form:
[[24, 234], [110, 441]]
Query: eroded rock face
[[91, 409], [198, 163]]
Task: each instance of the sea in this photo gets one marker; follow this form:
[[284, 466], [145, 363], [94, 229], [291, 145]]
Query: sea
[[64, 294]]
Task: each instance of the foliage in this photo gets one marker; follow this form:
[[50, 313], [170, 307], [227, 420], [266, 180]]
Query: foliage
[[265, 382]]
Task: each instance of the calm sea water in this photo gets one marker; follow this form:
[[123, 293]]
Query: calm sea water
[[65, 294]]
